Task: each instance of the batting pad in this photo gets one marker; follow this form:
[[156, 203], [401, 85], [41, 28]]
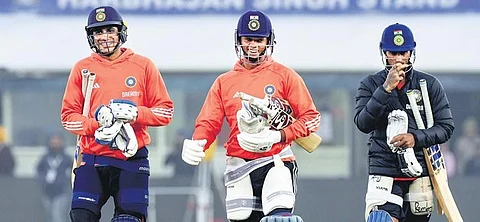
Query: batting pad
[[379, 216], [275, 218]]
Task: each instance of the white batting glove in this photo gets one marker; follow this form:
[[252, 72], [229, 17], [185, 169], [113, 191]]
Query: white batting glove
[[126, 141], [104, 116], [259, 142], [248, 121], [105, 135], [397, 124], [124, 110], [414, 169], [192, 152]]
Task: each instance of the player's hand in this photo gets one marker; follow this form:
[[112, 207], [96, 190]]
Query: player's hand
[[104, 116], [404, 140], [396, 74], [259, 142], [124, 110], [192, 152]]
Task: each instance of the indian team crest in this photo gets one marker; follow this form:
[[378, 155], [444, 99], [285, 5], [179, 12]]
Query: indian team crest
[[253, 24], [100, 16], [130, 81], [398, 39], [417, 94], [269, 90]]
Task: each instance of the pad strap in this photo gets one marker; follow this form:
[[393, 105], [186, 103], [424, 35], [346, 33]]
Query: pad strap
[[392, 198], [235, 173], [412, 197], [253, 203]]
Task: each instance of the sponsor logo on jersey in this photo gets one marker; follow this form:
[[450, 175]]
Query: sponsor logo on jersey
[[87, 199], [131, 94], [420, 107]]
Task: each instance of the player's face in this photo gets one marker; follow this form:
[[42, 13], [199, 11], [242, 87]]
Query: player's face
[[106, 38], [397, 57], [253, 47]]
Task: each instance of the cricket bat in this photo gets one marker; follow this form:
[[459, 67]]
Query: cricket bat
[[435, 161], [309, 143], [88, 78]]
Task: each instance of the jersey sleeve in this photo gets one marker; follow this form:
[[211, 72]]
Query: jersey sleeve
[[72, 107], [210, 119], [158, 108], [304, 110]]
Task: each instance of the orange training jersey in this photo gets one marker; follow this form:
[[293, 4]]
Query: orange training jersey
[[130, 77], [220, 103]]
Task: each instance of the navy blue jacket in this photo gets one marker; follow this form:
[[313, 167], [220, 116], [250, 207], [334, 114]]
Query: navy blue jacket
[[373, 104]]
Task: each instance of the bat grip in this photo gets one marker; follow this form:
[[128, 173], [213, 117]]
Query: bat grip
[[426, 103]]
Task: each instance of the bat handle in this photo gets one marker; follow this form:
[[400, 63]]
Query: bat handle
[[416, 112]]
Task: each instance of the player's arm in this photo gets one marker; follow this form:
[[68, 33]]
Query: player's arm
[[72, 106], [443, 126], [308, 118], [370, 106], [210, 119], [158, 110]]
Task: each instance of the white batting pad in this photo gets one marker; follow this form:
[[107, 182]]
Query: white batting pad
[[239, 199], [278, 187]]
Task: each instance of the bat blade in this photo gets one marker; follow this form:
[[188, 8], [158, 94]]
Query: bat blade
[[309, 143], [438, 176]]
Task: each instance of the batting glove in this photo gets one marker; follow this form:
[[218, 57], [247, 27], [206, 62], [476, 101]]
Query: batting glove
[[104, 116], [124, 110], [192, 152], [126, 141], [248, 121], [105, 135], [259, 142], [397, 124]]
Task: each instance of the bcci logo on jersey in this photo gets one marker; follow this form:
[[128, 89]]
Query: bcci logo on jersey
[[418, 98], [130, 82]]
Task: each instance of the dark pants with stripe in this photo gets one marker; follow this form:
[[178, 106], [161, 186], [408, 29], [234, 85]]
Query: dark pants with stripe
[[102, 177]]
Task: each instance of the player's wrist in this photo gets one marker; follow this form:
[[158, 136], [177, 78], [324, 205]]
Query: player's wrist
[[387, 89]]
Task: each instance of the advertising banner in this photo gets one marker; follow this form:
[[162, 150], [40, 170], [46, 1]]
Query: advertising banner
[[283, 7]]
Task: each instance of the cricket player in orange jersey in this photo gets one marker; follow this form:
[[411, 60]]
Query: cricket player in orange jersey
[[261, 168], [128, 96]]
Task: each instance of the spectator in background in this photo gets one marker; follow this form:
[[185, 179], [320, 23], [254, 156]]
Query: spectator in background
[[53, 172], [175, 157], [450, 160], [7, 162], [472, 167], [467, 144]]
